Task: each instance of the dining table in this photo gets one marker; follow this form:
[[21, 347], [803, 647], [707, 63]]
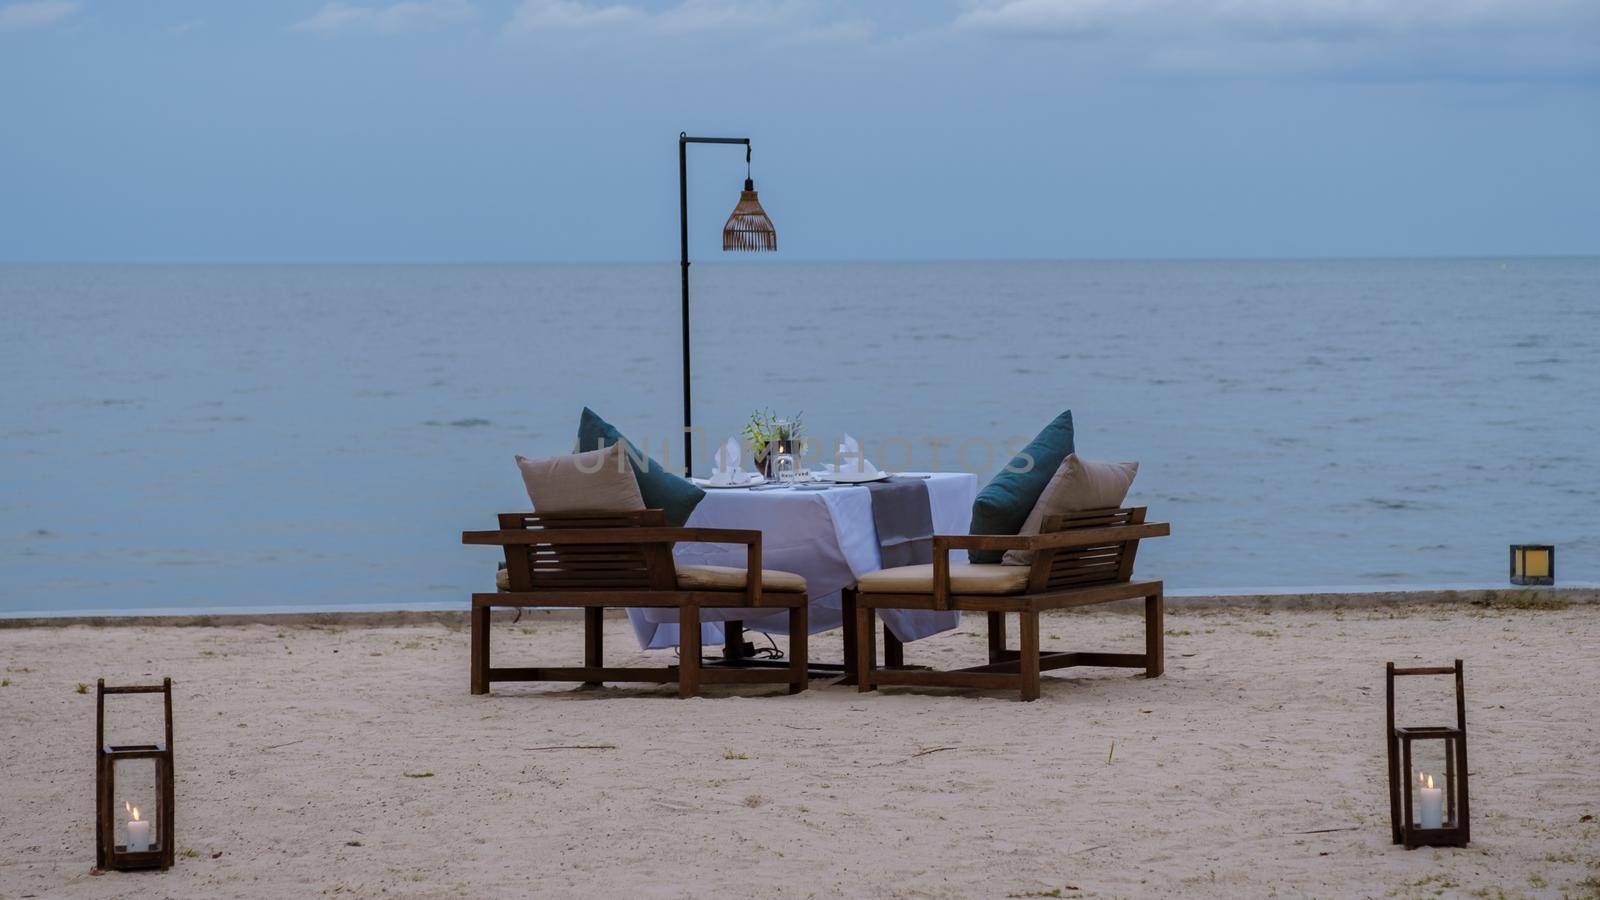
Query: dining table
[[823, 532]]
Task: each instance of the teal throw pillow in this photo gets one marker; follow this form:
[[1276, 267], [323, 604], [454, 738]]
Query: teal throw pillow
[[662, 490], [1004, 503]]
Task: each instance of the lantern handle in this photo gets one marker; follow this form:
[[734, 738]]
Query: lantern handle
[[1427, 670], [164, 688], [1391, 671], [1456, 670]]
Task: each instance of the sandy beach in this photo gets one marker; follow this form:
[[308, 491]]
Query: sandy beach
[[318, 760]]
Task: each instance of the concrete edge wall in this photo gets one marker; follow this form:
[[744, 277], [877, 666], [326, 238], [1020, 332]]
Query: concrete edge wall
[[1506, 598]]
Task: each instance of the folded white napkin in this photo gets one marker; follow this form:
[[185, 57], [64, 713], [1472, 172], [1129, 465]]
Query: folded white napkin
[[852, 462], [729, 468]]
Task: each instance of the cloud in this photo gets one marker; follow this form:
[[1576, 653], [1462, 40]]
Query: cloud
[[1268, 17], [19, 16], [797, 19], [336, 17], [542, 15], [1308, 35]]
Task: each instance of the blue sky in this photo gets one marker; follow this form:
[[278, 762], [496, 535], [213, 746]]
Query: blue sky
[[545, 130]]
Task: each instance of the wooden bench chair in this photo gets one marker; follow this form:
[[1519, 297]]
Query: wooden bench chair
[[624, 559], [1080, 559]]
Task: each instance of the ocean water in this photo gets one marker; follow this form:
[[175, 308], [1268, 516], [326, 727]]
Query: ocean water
[[238, 437]]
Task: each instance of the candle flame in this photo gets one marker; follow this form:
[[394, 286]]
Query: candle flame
[[1430, 781]]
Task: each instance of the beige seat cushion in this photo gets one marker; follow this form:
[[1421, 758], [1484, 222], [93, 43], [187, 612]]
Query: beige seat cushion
[[710, 578], [728, 578], [1077, 484], [965, 578], [594, 481]]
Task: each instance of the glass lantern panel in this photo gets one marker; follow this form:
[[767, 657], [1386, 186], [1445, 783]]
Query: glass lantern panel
[[1536, 563], [1432, 784], [136, 805]]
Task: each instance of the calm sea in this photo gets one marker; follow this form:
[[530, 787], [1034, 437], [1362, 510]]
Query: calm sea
[[285, 436]]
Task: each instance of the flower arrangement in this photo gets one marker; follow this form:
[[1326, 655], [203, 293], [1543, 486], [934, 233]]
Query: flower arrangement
[[766, 428]]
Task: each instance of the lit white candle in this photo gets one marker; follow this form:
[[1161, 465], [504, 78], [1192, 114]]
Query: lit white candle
[[138, 830], [1432, 814]]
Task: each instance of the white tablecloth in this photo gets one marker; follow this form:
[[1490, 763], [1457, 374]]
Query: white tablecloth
[[826, 536]]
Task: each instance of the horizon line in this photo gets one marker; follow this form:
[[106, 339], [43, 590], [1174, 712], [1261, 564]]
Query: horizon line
[[807, 260]]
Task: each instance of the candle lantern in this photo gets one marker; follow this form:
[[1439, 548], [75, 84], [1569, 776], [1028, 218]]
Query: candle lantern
[[1533, 564], [1428, 806], [133, 791]]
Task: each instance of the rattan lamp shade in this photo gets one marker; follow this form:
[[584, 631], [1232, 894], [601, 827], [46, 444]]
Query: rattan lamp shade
[[748, 227]]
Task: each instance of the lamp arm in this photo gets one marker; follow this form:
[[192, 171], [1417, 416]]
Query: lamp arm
[[684, 140]]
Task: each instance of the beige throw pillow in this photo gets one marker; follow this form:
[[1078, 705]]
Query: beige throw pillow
[[594, 481], [1077, 484]]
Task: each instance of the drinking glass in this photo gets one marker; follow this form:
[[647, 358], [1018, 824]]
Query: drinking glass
[[784, 468]]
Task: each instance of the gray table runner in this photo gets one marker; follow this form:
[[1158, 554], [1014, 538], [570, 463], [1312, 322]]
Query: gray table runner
[[904, 519]]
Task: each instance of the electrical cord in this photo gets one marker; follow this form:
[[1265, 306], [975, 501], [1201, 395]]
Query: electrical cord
[[771, 652]]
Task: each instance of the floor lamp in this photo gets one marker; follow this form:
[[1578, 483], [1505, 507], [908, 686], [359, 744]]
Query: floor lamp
[[747, 228]]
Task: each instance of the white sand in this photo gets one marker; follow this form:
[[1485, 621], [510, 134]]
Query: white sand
[[295, 744]]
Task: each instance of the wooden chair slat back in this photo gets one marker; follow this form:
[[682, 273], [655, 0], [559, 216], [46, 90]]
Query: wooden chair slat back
[[588, 567], [1073, 567]]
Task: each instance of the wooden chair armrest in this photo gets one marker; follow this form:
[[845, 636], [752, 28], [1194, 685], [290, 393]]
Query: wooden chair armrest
[[1089, 537], [648, 535], [1076, 537], [635, 535]]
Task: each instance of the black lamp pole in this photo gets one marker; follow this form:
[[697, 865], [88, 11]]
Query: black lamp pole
[[684, 140]]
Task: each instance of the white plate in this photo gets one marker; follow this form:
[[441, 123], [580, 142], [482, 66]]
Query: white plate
[[706, 483], [855, 478]]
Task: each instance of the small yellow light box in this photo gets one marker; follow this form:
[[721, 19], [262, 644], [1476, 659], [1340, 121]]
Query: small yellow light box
[[1533, 564]]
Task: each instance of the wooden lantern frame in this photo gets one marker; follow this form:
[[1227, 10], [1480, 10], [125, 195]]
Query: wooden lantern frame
[[108, 853], [1455, 829], [1519, 564]]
